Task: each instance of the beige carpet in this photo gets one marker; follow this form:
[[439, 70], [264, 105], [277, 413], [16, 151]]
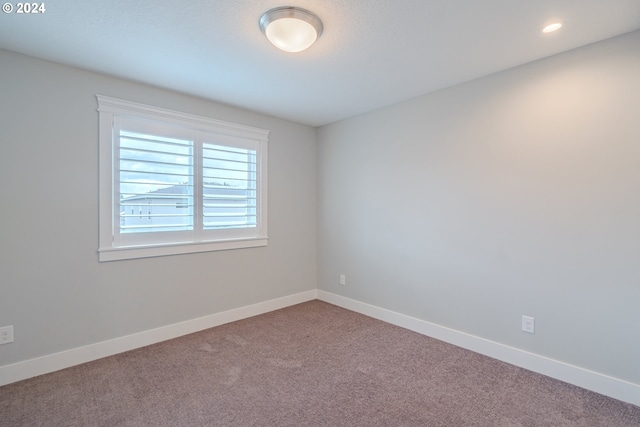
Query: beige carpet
[[312, 364]]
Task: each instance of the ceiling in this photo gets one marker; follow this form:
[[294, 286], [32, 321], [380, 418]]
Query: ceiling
[[372, 53]]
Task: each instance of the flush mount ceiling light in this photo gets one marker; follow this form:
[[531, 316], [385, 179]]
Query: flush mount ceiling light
[[552, 27], [291, 29]]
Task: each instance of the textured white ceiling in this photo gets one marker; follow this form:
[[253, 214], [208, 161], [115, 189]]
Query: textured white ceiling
[[372, 53]]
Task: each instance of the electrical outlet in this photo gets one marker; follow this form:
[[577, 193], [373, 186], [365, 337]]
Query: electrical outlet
[[528, 324], [6, 334], [343, 279]]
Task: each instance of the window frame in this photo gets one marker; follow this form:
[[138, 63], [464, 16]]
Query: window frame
[[109, 109]]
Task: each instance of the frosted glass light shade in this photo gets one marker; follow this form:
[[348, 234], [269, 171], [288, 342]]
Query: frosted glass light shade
[[290, 28]]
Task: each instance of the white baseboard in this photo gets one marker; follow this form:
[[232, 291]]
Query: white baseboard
[[600, 383], [65, 359], [594, 381]]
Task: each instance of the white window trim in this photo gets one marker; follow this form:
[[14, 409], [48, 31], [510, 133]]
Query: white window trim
[[108, 108]]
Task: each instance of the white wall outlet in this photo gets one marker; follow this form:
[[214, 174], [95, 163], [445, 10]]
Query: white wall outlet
[[343, 279], [6, 334], [528, 324]]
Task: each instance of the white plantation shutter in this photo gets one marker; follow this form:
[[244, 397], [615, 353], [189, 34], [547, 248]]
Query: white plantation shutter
[[228, 187], [174, 180], [153, 175]]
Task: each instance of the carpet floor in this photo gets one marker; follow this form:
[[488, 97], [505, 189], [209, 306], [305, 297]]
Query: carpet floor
[[313, 364]]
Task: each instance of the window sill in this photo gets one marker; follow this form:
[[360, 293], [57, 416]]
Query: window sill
[[133, 252]]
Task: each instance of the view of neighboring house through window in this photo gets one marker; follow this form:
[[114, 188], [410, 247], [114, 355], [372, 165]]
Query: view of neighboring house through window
[[176, 183], [156, 175], [157, 185]]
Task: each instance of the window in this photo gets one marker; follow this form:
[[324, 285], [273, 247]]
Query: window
[[174, 183]]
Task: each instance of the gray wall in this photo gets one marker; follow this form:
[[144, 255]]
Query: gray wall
[[52, 287], [518, 193]]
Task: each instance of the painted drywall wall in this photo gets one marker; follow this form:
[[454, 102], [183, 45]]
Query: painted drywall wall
[[52, 287], [515, 194]]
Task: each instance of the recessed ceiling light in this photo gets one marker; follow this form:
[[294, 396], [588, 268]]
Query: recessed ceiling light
[[552, 27], [291, 29]]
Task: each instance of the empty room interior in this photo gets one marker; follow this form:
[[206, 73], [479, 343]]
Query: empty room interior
[[453, 170]]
